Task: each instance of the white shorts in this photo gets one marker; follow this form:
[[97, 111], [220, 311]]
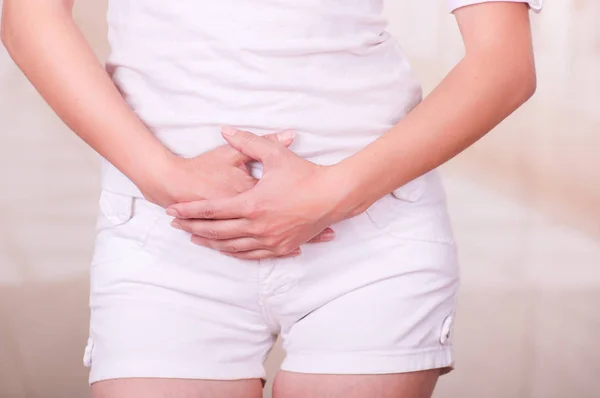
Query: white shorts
[[378, 299]]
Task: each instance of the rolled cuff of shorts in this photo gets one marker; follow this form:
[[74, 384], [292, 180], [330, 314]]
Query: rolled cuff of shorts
[[369, 363], [125, 369], [535, 5]]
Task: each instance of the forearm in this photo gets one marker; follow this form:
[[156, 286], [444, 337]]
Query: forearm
[[45, 43], [474, 97]]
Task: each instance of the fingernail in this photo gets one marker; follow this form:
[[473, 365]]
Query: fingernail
[[329, 235], [296, 252], [228, 130], [172, 212], [286, 135], [176, 225]]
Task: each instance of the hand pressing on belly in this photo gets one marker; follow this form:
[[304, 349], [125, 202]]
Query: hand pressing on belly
[[293, 203], [221, 172]]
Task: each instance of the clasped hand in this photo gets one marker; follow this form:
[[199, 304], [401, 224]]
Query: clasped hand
[[293, 203]]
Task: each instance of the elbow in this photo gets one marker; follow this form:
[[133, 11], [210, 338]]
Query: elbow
[[8, 38], [524, 75], [512, 78], [519, 84], [6, 30], [527, 84], [6, 41]]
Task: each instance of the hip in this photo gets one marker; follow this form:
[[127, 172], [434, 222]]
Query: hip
[[138, 251], [412, 221]]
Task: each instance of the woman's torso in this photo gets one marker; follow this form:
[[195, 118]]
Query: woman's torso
[[326, 68]]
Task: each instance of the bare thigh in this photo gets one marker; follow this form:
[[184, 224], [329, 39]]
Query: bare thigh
[[401, 385], [177, 388]]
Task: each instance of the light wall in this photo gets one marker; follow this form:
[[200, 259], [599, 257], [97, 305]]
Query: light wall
[[525, 203]]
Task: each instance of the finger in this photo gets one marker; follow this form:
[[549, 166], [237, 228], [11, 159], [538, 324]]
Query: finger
[[258, 148], [284, 138], [327, 235], [294, 253], [229, 245], [261, 254], [214, 229], [212, 209]]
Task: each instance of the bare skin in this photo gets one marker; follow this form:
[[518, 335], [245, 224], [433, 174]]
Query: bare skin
[[405, 385], [73, 82], [494, 78], [177, 388], [287, 385]]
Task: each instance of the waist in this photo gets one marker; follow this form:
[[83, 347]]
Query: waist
[[330, 109], [207, 84], [322, 150]]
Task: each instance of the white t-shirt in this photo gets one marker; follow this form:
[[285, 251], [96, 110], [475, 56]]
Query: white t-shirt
[[325, 68]]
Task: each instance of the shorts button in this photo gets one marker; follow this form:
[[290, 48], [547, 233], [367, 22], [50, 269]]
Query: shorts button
[[446, 329]]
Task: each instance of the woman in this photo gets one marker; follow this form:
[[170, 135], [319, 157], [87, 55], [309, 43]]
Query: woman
[[315, 98]]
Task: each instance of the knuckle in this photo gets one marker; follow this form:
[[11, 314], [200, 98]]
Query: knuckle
[[274, 243], [257, 230], [208, 213], [249, 139], [270, 243], [212, 234], [230, 248], [186, 226], [273, 153], [271, 233], [182, 211], [287, 248], [189, 227]]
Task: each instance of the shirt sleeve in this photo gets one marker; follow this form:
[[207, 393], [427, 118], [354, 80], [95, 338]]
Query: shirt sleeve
[[535, 5]]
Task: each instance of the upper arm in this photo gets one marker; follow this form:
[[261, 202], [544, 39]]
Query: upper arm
[[9, 4], [17, 12], [535, 5], [496, 28], [497, 37]]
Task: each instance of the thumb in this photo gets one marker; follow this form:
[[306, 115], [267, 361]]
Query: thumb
[[285, 137], [252, 145]]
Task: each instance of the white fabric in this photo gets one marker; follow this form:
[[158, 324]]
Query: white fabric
[[535, 5], [379, 298], [327, 69]]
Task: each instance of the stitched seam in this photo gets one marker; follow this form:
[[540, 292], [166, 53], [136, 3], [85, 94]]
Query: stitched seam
[[383, 231], [441, 348]]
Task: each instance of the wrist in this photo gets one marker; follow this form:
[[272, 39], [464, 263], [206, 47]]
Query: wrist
[[350, 197], [157, 180]]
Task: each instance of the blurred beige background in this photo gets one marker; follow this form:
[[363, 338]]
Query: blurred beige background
[[525, 203]]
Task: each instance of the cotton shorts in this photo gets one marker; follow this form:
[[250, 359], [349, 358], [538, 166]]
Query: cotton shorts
[[378, 299]]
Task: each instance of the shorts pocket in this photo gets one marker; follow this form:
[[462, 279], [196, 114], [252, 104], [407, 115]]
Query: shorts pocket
[[124, 226], [417, 211]]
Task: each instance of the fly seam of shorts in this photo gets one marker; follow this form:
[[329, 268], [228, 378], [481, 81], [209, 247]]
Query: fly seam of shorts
[[262, 300]]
